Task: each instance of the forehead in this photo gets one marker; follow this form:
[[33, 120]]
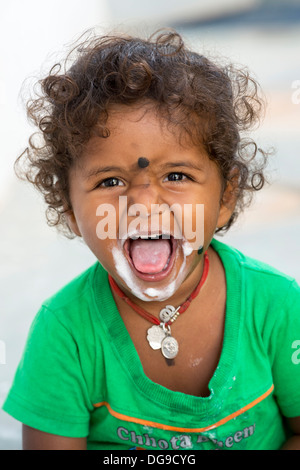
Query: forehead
[[143, 115], [140, 127], [140, 134], [137, 133]]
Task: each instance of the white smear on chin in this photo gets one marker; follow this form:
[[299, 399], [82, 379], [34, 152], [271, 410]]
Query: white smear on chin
[[168, 291], [124, 271]]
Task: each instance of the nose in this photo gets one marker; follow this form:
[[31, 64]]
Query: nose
[[148, 207], [144, 193]]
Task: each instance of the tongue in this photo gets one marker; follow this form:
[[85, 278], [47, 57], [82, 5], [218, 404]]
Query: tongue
[[150, 256]]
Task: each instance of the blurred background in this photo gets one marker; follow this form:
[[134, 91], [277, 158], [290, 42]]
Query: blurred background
[[34, 260]]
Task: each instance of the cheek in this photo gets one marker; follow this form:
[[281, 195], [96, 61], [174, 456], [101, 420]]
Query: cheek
[[200, 224], [197, 224], [97, 222], [103, 250], [211, 213], [88, 229]]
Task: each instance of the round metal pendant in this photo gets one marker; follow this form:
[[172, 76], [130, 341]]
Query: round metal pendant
[[155, 335], [169, 347]]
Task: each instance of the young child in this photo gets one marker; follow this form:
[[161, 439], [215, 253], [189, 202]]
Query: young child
[[167, 342]]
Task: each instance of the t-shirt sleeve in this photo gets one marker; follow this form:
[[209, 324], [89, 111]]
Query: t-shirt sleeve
[[49, 392], [285, 353]]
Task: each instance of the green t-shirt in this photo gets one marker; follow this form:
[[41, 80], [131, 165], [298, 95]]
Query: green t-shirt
[[80, 374]]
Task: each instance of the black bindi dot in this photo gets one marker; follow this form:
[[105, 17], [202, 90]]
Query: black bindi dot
[[143, 162]]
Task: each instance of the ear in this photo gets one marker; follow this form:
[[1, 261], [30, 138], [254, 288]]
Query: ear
[[72, 222], [228, 199]]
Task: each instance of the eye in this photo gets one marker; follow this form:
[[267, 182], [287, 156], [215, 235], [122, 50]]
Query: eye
[[109, 183], [177, 177]]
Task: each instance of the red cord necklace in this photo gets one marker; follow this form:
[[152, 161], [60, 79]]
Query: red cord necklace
[[159, 335]]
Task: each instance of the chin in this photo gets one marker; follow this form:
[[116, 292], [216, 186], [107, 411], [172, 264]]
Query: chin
[[163, 279]]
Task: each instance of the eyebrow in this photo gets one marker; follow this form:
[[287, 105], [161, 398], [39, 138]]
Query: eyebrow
[[96, 171], [99, 170], [184, 164]]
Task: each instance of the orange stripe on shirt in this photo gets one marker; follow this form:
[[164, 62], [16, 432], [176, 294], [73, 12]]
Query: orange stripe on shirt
[[166, 427]]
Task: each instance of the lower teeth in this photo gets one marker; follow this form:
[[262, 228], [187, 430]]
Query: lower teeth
[[166, 265]]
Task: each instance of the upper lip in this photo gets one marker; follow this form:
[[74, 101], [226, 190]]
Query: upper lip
[[146, 234]]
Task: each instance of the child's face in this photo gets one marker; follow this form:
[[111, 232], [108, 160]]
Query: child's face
[[109, 179]]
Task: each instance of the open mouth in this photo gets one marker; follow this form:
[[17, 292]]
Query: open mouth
[[151, 258]]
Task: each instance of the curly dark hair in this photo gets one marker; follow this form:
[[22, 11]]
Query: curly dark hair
[[216, 105]]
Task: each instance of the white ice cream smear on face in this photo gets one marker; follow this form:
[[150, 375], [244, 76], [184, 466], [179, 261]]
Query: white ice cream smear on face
[[155, 293], [187, 248], [124, 271]]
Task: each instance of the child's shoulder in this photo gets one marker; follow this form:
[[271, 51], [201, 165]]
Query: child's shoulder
[[258, 274], [77, 295], [266, 295]]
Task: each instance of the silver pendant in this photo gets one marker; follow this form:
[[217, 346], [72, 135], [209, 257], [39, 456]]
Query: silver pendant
[[167, 313], [169, 347], [159, 337], [155, 335]]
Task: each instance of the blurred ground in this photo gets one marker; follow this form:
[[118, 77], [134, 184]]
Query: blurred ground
[[35, 261]]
